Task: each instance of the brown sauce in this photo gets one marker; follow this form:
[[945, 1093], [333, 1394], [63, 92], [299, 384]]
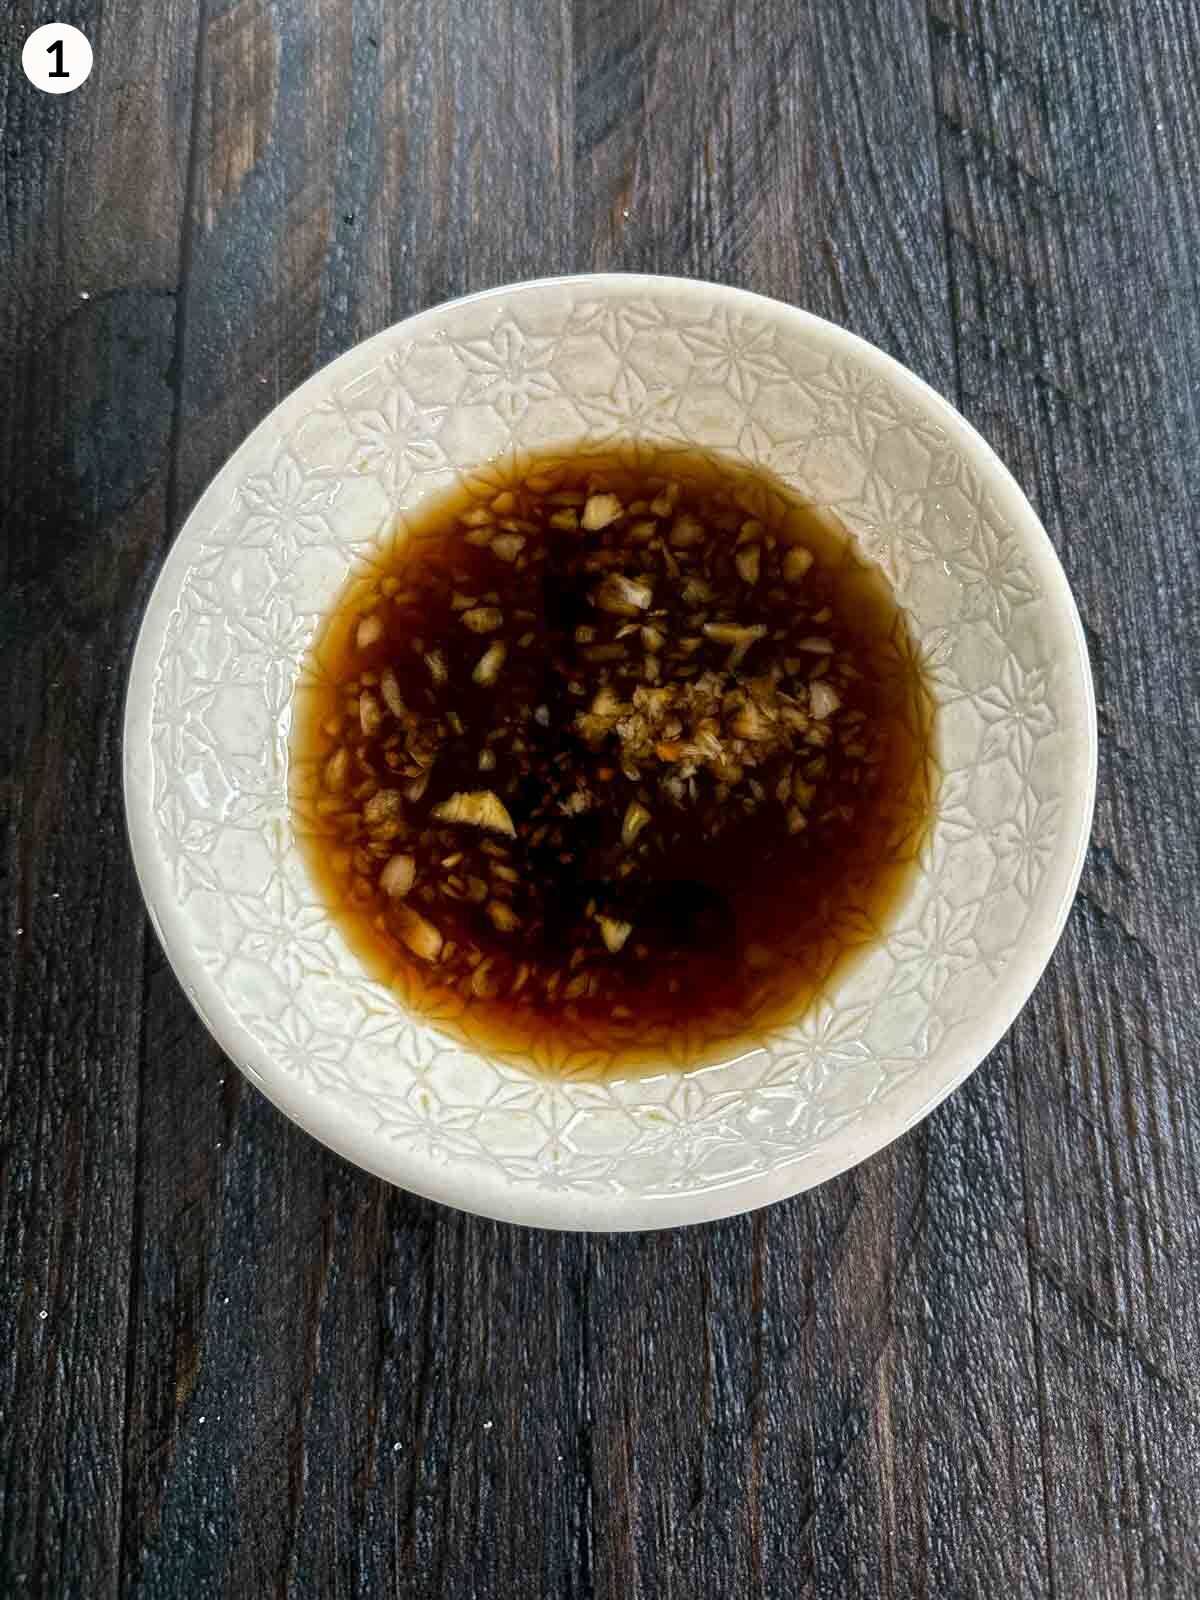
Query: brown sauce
[[608, 762]]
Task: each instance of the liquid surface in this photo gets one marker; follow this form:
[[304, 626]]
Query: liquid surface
[[610, 763]]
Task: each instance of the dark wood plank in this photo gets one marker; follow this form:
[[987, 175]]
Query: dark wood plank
[[1069, 136], [89, 266]]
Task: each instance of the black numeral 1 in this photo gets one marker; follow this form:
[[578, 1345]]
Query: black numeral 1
[[56, 50]]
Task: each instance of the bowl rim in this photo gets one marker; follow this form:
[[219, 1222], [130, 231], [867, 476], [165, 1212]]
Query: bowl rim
[[459, 1185]]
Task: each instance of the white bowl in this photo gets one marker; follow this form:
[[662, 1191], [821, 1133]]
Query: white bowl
[[531, 367]]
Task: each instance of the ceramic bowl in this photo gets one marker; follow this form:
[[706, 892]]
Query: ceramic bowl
[[345, 460]]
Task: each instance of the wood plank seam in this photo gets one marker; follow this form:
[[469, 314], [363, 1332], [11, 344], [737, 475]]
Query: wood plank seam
[[191, 182], [938, 27], [125, 1556]]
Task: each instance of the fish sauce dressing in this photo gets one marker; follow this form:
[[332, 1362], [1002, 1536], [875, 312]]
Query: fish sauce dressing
[[613, 762]]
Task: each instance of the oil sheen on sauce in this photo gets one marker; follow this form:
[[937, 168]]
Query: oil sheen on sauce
[[612, 762]]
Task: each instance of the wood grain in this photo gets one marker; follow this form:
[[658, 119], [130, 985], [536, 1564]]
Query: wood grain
[[1069, 152], [969, 1367], [90, 263]]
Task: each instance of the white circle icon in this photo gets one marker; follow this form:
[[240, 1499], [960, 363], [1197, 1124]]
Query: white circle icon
[[57, 58]]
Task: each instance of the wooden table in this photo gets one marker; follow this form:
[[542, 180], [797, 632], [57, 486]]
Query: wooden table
[[235, 1366]]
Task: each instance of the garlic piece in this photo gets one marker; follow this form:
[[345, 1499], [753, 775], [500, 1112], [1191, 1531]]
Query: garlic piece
[[389, 687], [475, 808], [337, 769], [796, 563], [748, 562], [734, 634], [398, 877], [508, 546], [823, 699], [482, 619], [386, 806], [503, 918], [370, 714], [687, 531], [636, 818], [438, 670], [622, 596], [368, 632], [600, 510], [417, 932], [487, 668], [614, 932]]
